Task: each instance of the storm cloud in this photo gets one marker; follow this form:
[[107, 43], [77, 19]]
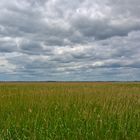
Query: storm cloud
[[73, 40]]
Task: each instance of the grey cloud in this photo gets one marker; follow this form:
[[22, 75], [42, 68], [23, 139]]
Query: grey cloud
[[31, 47], [70, 40], [7, 47], [103, 29]]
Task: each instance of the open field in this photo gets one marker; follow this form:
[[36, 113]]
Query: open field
[[70, 111]]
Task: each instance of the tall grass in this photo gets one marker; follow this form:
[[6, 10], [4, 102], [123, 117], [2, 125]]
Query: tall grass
[[70, 111]]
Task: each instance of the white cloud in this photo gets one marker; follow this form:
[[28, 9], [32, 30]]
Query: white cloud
[[6, 67]]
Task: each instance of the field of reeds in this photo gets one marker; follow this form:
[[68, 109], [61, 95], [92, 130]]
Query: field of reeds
[[70, 111]]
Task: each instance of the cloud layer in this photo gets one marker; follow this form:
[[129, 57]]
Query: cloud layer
[[70, 40]]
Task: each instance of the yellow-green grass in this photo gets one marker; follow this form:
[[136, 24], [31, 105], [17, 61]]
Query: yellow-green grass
[[70, 111]]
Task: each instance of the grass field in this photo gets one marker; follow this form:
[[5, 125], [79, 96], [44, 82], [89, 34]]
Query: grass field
[[70, 111]]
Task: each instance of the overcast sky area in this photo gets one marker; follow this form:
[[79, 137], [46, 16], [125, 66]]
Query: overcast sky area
[[78, 40]]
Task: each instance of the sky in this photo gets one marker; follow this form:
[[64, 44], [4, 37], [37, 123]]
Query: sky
[[69, 40]]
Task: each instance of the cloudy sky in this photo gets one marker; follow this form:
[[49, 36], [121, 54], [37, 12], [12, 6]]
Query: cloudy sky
[[74, 40]]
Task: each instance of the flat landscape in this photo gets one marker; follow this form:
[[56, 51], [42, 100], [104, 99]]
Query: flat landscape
[[70, 111]]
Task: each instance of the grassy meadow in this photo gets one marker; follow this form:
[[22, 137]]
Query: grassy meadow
[[70, 111]]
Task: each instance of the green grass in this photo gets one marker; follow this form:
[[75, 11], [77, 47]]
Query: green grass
[[70, 111]]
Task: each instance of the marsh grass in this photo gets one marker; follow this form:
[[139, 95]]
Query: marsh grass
[[70, 111]]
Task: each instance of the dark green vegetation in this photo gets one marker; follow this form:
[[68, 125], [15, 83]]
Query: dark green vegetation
[[70, 111]]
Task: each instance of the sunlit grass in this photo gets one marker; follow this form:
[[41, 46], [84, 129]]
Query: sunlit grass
[[70, 111]]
